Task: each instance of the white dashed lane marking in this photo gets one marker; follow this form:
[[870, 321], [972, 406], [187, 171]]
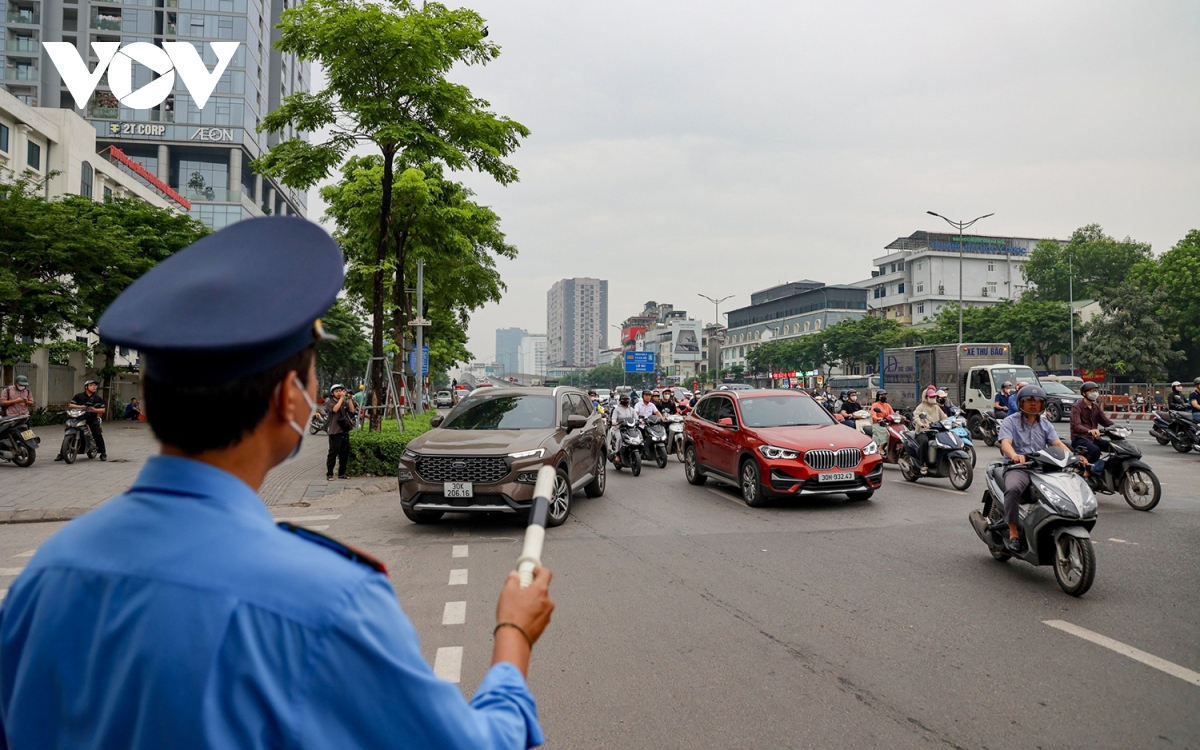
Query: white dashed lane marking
[[1136, 654], [459, 550], [447, 664], [455, 613], [26, 554], [11, 571], [305, 520], [458, 577]]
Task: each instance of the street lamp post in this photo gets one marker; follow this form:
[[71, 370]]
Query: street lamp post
[[621, 338], [960, 226], [716, 321]]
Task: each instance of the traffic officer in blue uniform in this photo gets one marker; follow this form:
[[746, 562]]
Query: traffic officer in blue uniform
[[178, 614]]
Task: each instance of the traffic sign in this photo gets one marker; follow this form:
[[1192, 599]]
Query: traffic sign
[[639, 361]]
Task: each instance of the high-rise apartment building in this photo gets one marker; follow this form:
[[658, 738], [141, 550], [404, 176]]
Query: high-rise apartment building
[[531, 356], [202, 154], [508, 341], [576, 322]]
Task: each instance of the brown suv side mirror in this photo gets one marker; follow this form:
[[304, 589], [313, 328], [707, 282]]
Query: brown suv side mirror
[[576, 421], [436, 421]]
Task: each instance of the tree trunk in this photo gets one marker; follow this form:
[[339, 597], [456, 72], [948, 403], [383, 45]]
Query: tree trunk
[[378, 393]]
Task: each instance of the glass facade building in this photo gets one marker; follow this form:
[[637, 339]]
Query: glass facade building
[[202, 153]]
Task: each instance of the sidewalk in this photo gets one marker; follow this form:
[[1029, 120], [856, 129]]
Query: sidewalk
[[53, 491]]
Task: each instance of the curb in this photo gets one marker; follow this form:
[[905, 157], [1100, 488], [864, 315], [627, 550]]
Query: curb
[[41, 515]]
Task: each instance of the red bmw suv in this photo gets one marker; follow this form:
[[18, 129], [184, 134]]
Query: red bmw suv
[[776, 444]]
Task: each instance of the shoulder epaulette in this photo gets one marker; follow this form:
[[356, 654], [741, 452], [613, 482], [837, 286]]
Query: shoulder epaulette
[[345, 550]]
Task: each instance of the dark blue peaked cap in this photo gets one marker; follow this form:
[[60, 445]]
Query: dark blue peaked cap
[[231, 304]]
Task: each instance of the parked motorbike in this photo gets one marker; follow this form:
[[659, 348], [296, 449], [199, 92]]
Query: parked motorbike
[[1055, 520], [949, 457], [18, 443], [1122, 470], [77, 437], [675, 436], [654, 447], [1177, 428], [320, 423], [630, 454]]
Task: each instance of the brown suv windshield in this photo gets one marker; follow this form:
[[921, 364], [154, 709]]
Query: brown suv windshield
[[504, 413], [782, 411]]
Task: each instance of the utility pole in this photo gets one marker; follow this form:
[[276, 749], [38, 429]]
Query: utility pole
[[960, 226], [1071, 306], [420, 323]]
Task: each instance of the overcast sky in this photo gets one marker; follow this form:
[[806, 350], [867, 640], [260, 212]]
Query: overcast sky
[[685, 147]]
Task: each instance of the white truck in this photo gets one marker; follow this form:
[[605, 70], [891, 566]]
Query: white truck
[[971, 376]]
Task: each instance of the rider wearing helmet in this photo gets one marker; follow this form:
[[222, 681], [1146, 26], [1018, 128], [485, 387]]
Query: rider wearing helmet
[[926, 413], [881, 409], [1087, 417], [1176, 401], [668, 405], [93, 404], [1000, 410], [1021, 434], [849, 406], [943, 400], [621, 413], [1194, 400]]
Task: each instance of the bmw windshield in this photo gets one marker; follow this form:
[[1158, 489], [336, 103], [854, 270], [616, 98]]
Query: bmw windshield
[[503, 413], [782, 411]]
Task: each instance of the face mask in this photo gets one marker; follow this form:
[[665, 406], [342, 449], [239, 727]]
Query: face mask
[[1093, 396], [883, 399], [312, 412]]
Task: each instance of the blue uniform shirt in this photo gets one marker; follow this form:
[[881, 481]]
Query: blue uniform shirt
[[1027, 438], [178, 615]]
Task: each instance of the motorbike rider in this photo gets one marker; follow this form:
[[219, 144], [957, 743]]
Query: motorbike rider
[[16, 399], [90, 402], [1176, 401], [1194, 400], [1023, 433], [646, 407], [1087, 417], [880, 411], [595, 399], [667, 405], [943, 400], [926, 413], [1000, 408], [620, 413], [849, 406]]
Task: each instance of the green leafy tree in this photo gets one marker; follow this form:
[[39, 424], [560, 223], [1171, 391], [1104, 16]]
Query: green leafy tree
[[1096, 261], [1177, 274], [1039, 328], [343, 360], [1129, 338], [387, 64]]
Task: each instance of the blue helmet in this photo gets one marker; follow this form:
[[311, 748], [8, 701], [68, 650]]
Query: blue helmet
[[1031, 391]]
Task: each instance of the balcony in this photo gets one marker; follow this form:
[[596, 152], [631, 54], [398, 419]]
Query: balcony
[[106, 23], [23, 44], [24, 16], [211, 195], [102, 113], [21, 74]]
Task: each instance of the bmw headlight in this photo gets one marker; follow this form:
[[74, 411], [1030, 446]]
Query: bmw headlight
[[870, 449], [535, 453], [774, 452]]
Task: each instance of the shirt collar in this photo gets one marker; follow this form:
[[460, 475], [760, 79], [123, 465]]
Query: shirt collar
[[187, 477]]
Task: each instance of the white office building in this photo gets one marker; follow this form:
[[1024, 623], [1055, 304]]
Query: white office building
[[919, 274], [531, 355]]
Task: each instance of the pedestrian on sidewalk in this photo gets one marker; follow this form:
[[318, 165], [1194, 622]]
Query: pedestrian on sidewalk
[[180, 614], [341, 412], [16, 399]]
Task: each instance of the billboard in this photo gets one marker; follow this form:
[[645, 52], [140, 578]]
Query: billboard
[[685, 340]]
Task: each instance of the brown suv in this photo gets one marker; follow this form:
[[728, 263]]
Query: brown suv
[[485, 454]]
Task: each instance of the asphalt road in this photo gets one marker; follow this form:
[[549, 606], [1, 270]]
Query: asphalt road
[[686, 619]]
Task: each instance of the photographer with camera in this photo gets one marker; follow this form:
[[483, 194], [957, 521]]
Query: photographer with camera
[[341, 413]]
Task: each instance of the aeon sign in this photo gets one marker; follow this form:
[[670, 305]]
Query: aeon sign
[[167, 60]]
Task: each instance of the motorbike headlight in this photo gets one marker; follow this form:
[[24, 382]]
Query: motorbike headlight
[[870, 449], [1059, 501], [774, 452], [1089, 505], [535, 453]]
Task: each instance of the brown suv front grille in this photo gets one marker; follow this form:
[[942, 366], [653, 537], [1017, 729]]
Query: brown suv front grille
[[846, 458], [454, 469]]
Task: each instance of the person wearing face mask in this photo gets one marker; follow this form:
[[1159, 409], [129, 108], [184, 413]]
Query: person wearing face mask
[[880, 411], [926, 413], [943, 400], [180, 609], [1000, 408], [849, 406], [1087, 417]]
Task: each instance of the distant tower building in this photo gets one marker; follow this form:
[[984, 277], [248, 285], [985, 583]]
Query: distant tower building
[[508, 342], [576, 322], [532, 355]]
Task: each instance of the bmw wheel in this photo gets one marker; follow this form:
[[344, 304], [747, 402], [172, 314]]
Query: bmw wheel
[[691, 468], [751, 483]]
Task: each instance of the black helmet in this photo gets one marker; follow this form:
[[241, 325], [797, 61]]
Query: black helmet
[[1089, 386], [624, 398], [842, 395], [1031, 391], [881, 392]]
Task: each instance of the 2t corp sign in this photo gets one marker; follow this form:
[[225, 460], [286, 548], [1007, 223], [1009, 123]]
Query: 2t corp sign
[[167, 60]]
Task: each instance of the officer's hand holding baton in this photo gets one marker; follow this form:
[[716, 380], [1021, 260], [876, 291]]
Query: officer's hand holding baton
[[525, 605]]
